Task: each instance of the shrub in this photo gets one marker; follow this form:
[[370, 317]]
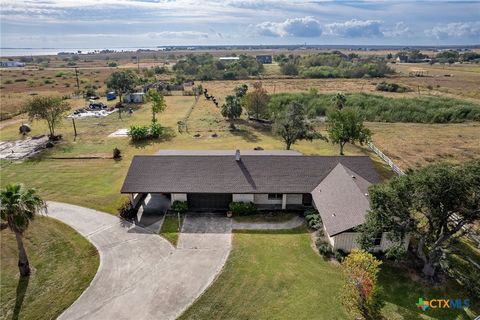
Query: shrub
[[242, 208], [126, 211], [117, 154], [160, 70], [313, 219], [339, 255], [112, 64], [179, 206], [137, 133], [8, 82], [323, 247], [155, 130], [392, 87]]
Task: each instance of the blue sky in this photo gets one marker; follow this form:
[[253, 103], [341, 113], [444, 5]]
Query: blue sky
[[132, 23]]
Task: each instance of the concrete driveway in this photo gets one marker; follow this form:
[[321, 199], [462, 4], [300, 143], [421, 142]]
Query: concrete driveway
[[141, 276]]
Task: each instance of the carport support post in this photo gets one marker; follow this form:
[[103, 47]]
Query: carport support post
[[284, 201]]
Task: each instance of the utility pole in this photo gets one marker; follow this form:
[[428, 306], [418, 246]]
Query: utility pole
[[78, 83]]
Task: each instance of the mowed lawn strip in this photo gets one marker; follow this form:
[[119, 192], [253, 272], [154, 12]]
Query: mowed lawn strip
[[171, 227], [272, 275], [64, 264]]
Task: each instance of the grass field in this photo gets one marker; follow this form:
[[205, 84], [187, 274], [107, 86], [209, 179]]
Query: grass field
[[277, 275], [459, 80], [412, 145], [64, 263], [171, 228]]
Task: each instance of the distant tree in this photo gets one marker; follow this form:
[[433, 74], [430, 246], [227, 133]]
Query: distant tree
[[158, 103], [346, 125], [389, 56], [292, 125], [48, 108], [122, 82], [256, 100], [18, 208], [232, 109], [340, 100], [435, 205], [240, 91], [360, 295]]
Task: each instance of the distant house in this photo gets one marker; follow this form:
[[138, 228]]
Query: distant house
[[12, 64], [407, 59], [136, 97], [264, 59], [209, 181]]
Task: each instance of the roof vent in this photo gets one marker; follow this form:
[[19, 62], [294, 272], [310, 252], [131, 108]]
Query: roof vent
[[353, 177], [366, 194], [237, 155], [334, 215]]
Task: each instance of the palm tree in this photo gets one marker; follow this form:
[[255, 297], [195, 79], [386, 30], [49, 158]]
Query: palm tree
[[18, 206]]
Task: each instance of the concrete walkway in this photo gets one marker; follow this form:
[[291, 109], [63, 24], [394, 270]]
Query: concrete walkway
[[141, 276], [290, 224]]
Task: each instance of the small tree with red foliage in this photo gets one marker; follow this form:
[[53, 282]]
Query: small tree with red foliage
[[361, 296]]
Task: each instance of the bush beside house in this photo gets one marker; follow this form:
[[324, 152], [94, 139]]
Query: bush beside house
[[243, 208]]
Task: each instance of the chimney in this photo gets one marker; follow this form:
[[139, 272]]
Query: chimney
[[237, 155]]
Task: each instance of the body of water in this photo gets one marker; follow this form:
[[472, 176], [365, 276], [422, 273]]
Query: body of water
[[25, 52]]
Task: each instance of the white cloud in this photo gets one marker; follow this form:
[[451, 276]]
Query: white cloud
[[355, 29], [455, 30], [307, 27], [400, 29]]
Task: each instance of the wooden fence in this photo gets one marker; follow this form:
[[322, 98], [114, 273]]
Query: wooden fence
[[382, 155]]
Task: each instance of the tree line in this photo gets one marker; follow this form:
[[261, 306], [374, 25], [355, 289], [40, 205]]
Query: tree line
[[333, 64]]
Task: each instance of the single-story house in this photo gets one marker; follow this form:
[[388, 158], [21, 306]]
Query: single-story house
[[337, 186]]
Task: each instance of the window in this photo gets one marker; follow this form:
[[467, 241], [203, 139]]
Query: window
[[378, 239], [274, 196]]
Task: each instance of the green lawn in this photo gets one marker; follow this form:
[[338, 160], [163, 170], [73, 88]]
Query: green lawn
[[170, 228], [277, 275], [65, 264], [275, 216]]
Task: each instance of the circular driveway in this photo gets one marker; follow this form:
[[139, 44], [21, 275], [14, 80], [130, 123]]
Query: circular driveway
[[141, 276]]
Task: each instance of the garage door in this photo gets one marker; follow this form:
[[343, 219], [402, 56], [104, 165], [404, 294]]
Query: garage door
[[208, 201]]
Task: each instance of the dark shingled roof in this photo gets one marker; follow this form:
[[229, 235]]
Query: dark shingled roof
[[222, 174], [341, 199]]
